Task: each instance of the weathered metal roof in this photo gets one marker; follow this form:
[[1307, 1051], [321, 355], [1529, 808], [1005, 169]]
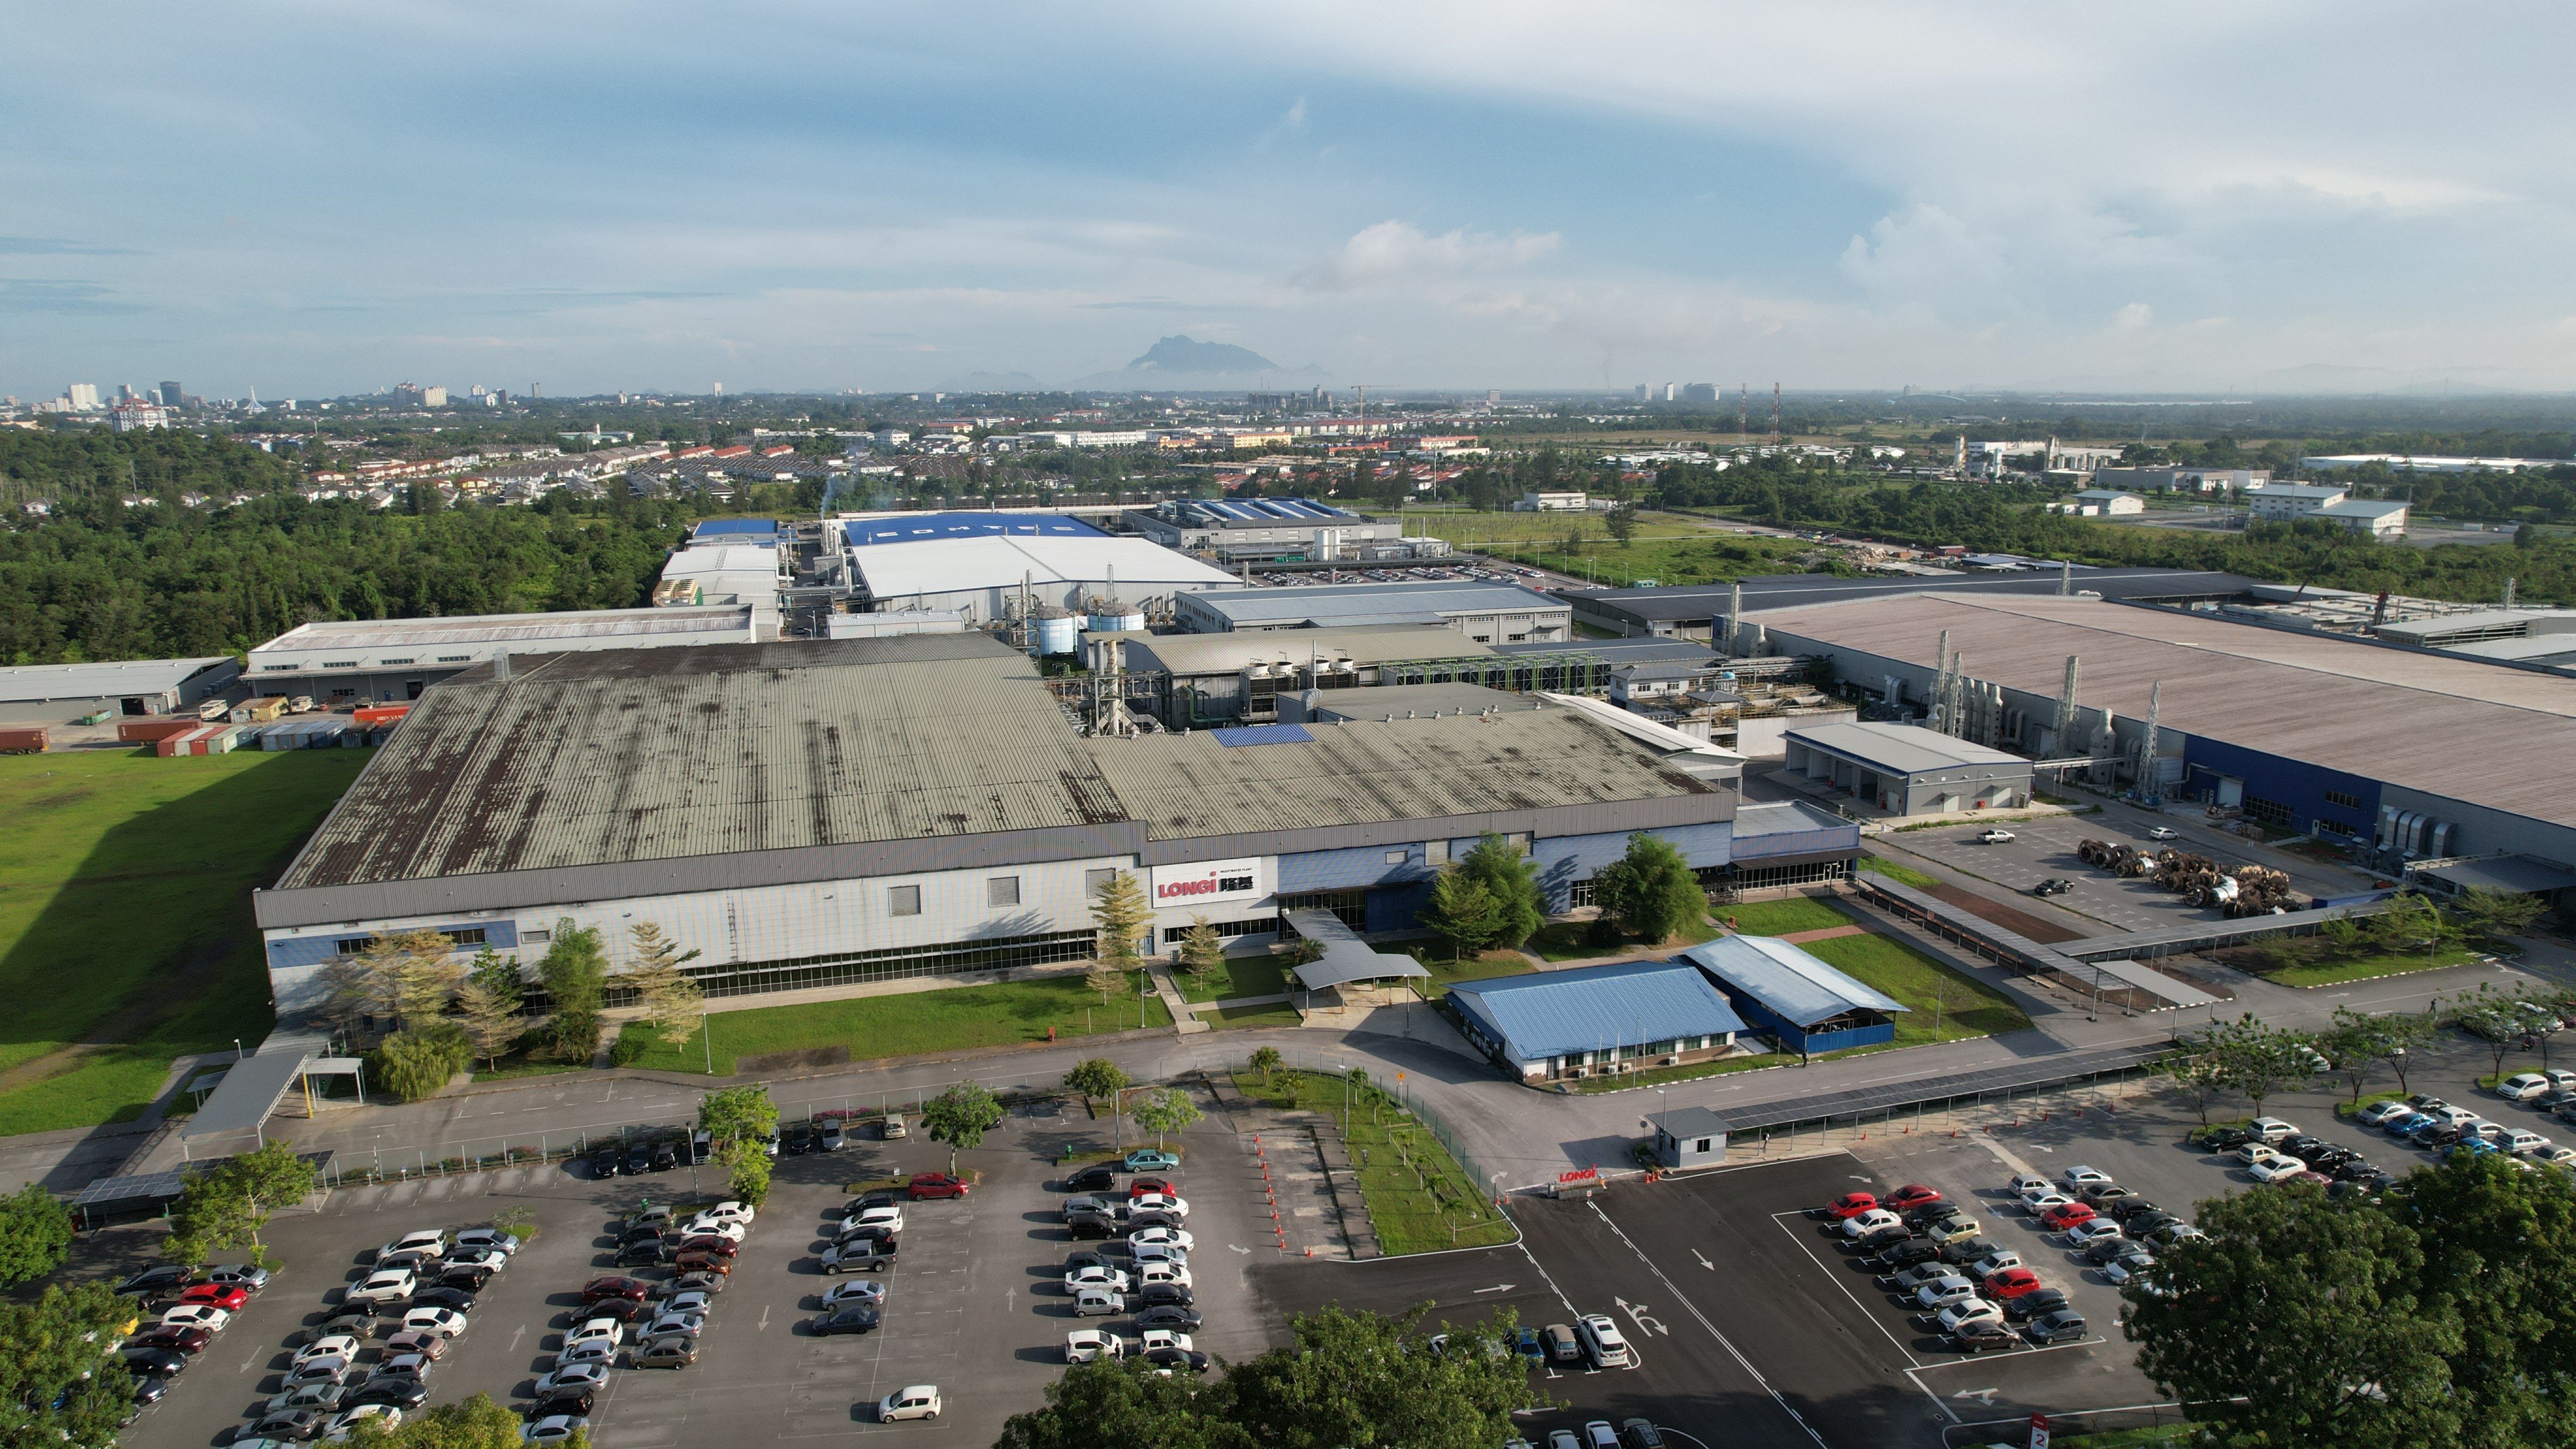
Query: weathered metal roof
[[1698, 602], [1358, 605], [1226, 653], [1789, 983], [1180, 786], [35, 682], [586, 758]]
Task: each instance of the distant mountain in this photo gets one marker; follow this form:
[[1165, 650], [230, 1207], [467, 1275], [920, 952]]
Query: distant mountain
[[1188, 354], [1185, 364]]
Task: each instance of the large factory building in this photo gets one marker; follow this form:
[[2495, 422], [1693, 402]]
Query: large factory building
[[816, 813], [2408, 754]]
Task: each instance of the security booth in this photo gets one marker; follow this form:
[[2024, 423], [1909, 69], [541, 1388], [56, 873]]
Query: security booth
[[1688, 1137]]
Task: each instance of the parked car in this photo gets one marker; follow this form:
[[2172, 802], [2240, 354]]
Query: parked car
[[197, 1315], [2011, 1283], [1994, 837], [2272, 1129], [1098, 1302], [1850, 1205], [1907, 1255], [2064, 1326], [2085, 1235], [2522, 1087], [848, 1318], [499, 1240], [1861, 1225], [862, 1255], [2056, 885], [245, 1276], [2276, 1167], [430, 1241], [1981, 1335], [1910, 1197], [1602, 1343], [2163, 832], [920, 1401], [1086, 1345], [1187, 1320], [1921, 1219], [576, 1377], [669, 1353], [1098, 1177], [2024, 1307], [554, 1429], [2131, 1261]]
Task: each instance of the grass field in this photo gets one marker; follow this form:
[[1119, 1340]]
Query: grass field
[[1239, 976], [2391, 963], [1904, 875], [1665, 548], [127, 877], [944, 1019], [1446, 973], [1237, 1018], [1419, 1199], [1968, 1006], [1784, 917]]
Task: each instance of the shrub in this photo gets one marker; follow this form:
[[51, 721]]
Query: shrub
[[633, 1041]]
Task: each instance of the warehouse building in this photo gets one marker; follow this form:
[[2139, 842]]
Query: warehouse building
[[1249, 677], [1485, 612], [816, 813], [1688, 610], [1597, 1021], [2403, 754], [1909, 770], [1276, 530], [987, 565], [362, 661], [1788, 995], [721, 573], [40, 694]]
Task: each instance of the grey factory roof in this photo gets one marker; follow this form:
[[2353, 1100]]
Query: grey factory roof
[[1328, 604], [1226, 653], [2501, 873], [2452, 727], [2436, 631], [1649, 650], [1187, 785], [1784, 591], [1790, 984], [1902, 749], [33, 682], [1783, 817], [1555, 1013], [532, 630], [588, 758], [1408, 701]]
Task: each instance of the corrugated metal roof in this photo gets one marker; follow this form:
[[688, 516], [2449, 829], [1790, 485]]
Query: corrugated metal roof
[[1225, 653], [1904, 749], [947, 565], [1698, 602], [1361, 602], [98, 681], [528, 629], [1787, 981], [2502, 738], [1592, 1008], [913, 528], [1180, 786]]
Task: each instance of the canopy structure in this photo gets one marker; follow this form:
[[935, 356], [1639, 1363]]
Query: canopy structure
[[253, 1087], [1346, 958]]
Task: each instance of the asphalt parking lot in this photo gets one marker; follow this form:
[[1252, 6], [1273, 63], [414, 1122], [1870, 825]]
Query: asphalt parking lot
[[975, 1306], [2045, 847]]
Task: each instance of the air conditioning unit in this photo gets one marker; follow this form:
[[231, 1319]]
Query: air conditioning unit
[[1669, 1062]]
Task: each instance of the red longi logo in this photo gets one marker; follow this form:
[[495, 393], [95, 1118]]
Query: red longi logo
[[1214, 885]]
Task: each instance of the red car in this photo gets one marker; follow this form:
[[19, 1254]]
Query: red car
[[1851, 1205], [1144, 1185], [688, 1263], [935, 1184], [2066, 1215], [173, 1337], [2012, 1283], [215, 1295], [631, 1289], [711, 1243], [1911, 1196]]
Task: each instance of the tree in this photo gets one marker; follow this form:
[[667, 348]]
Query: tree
[[1124, 1404], [2400, 1036], [1119, 915], [2493, 915], [738, 1114], [1365, 1379], [2499, 1023], [499, 975], [1621, 520], [1202, 949], [59, 1384], [2200, 1078], [746, 1164], [1651, 889], [1266, 1062], [414, 974], [35, 1233], [2257, 1060], [488, 1016], [477, 1423], [417, 1064], [673, 1004], [351, 992], [2499, 1260], [226, 1208], [2353, 1046], [1167, 1110], [575, 971], [960, 1117], [1462, 912], [1508, 876], [1097, 1078]]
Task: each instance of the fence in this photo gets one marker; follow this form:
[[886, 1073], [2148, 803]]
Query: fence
[[1400, 1091]]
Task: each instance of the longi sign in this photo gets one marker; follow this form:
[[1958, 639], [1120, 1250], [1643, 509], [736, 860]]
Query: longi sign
[[1190, 885]]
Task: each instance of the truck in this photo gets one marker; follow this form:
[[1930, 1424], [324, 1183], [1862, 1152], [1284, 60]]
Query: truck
[[28, 740]]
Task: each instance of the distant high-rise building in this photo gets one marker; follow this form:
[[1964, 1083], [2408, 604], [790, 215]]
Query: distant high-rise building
[[133, 414], [83, 397], [1645, 392], [1700, 392], [1672, 392], [409, 395], [1493, 395], [433, 397], [172, 394], [536, 389]]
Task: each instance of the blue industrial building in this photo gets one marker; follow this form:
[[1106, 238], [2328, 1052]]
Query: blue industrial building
[[1596, 1020], [917, 527], [1790, 996]]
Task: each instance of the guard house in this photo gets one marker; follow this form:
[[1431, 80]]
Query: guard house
[[1784, 993], [1597, 1020], [1909, 770], [1353, 971], [1688, 1137]]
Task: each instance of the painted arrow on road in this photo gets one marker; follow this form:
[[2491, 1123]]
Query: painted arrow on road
[[1497, 1288], [1982, 1396], [1646, 1322], [1703, 1260]]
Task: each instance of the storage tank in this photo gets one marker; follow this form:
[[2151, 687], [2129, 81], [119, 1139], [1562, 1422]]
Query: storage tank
[[1110, 616], [1059, 631]]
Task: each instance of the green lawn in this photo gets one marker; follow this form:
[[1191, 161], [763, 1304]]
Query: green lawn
[[2392, 963], [1659, 1076], [1971, 1008], [130, 875], [1236, 1018], [943, 1019], [1419, 1199], [1239, 976], [1904, 875], [1784, 917], [1571, 941], [1446, 973]]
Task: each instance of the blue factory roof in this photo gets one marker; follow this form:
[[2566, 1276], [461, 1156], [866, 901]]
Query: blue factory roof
[[1790, 984], [1264, 510], [1596, 1007], [913, 528], [749, 528]]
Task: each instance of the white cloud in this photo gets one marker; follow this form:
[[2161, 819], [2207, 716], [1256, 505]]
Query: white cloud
[[1394, 253], [2135, 317]]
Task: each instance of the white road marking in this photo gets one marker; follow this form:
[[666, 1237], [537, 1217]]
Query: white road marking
[[1497, 1288], [764, 1316], [1982, 1396], [1722, 1340], [1646, 1322], [1703, 1260], [1910, 1359]]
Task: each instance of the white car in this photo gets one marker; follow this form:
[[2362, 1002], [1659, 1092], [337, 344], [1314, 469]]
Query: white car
[[1163, 1237], [385, 1287], [730, 1211], [2272, 1129], [2163, 832], [2086, 1234], [673, 1325], [387, 1416], [605, 1330], [856, 1290], [500, 1239], [1993, 1263], [1095, 1276], [577, 1375], [1159, 1202], [2522, 1088], [1159, 1253], [2556, 1156], [446, 1322], [428, 1241], [1861, 1225], [196, 1315], [2025, 1183], [1943, 1291], [2036, 1203], [732, 1230], [889, 1217], [1162, 1272], [921, 1401], [1994, 837], [1165, 1338], [1602, 1341], [2385, 1114], [1975, 1310], [490, 1260], [553, 1429], [2275, 1168], [589, 1350], [2254, 1152], [1086, 1344], [2526, 1144], [342, 1346], [2076, 1179]]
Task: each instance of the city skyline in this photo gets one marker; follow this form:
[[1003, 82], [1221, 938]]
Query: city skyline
[[2201, 199]]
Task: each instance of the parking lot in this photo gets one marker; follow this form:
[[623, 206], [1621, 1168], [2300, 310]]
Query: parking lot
[[2045, 847], [976, 1305]]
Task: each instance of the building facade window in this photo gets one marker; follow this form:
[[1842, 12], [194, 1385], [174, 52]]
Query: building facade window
[[1435, 852], [2270, 812], [1398, 857], [2341, 798], [468, 936], [536, 938], [1002, 890], [1096, 881], [903, 900], [352, 945], [1225, 930]]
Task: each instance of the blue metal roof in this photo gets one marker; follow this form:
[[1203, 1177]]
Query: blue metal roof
[[913, 528], [1789, 983], [756, 526], [1271, 734], [1596, 1007]]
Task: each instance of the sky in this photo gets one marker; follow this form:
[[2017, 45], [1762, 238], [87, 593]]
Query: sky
[[2191, 198]]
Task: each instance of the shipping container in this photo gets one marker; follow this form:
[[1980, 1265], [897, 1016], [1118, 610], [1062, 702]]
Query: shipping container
[[376, 714], [259, 711], [323, 734], [98, 717], [151, 728], [213, 710], [15, 741], [170, 746], [289, 736]]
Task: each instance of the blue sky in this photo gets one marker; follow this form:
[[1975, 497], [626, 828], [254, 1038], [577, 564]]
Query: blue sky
[[314, 198]]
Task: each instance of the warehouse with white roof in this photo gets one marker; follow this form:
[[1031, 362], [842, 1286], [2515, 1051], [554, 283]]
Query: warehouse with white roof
[[984, 564]]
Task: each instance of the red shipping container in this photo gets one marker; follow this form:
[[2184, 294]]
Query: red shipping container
[[155, 727], [179, 743], [376, 714], [22, 741]]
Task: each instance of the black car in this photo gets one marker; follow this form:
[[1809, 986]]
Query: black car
[[1906, 1255], [1188, 1359], [666, 1155], [1983, 1334], [2333, 1160], [1093, 1258], [643, 1254], [2130, 1207], [2303, 1147], [1639, 1434], [1090, 1225], [1178, 1319], [401, 1391], [1931, 1213], [1967, 1250], [2063, 1326], [2053, 886], [156, 1362], [850, 1318], [624, 1310], [607, 1162], [865, 1201], [570, 1399], [1888, 1236], [1098, 1177], [2442, 1136], [799, 1138], [2145, 1223], [2226, 1139], [867, 1233], [456, 1298], [2107, 1250], [1158, 1295], [1154, 1218], [639, 1158], [147, 1393], [2037, 1303], [467, 1277], [157, 1279]]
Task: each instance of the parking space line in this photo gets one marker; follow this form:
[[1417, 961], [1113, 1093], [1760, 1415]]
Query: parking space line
[[1907, 1354], [1722, 1340], [2025, 1351]]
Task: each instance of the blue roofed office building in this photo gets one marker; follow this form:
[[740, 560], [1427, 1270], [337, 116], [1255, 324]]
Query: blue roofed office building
[[1788, 995], [1276, 530], [1597, 1020], [921, 527]]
